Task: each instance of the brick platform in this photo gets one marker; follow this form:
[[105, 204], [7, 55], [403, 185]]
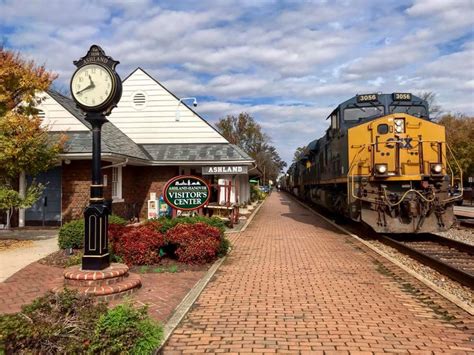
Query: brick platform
[[295, 284], [162, 292], [108, 284], [24, 286]]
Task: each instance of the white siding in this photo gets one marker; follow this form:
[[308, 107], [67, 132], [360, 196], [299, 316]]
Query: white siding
[[57, 118], [156, 122]]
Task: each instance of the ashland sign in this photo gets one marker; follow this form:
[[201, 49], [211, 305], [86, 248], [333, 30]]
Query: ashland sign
[[186, 193]]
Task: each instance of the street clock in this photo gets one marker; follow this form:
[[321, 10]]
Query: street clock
[[95, 85]]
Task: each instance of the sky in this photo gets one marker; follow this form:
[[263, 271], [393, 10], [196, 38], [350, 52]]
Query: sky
[[287, 63]]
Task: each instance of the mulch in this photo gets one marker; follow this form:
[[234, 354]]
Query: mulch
[[8, 244]]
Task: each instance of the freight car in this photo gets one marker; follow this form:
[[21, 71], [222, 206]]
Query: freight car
[[381, 162]]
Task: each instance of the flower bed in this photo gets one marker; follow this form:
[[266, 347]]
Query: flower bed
[[191, 240], [194, 240]]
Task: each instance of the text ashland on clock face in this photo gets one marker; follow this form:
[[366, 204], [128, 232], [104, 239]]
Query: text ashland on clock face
[[92, 85]]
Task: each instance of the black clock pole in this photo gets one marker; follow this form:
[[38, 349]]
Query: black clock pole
[[96, 251], [97, 95]]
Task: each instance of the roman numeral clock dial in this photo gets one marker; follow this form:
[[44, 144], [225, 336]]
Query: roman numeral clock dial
[[92, 86]]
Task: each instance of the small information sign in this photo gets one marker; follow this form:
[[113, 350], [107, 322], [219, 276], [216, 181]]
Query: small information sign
[[186, 193]]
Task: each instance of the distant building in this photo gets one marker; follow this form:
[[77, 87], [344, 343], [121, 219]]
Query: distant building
[[150, 137]]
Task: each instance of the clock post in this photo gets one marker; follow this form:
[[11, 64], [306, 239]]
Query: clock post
[[96, 88]]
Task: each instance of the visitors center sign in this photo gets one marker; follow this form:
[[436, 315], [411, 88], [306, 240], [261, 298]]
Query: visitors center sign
[[186, 192]]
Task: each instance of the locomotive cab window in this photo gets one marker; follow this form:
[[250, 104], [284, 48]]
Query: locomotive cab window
[[334, 121], [414, 110], [359, 112]]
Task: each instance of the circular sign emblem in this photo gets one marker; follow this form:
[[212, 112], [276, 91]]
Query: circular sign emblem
[[186, 192]]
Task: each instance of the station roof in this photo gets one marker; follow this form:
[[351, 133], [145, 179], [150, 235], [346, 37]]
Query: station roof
[[116, 142]]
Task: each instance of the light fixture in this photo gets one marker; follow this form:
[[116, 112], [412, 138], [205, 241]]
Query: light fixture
[[381, 169], [436, 168], [178, 113], [399, 125]]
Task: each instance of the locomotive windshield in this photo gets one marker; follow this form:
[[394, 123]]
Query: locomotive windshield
[[414, 110], [360, 112]]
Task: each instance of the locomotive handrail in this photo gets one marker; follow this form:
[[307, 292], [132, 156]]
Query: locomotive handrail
[[461, 187], [351, 176], [404, 196]]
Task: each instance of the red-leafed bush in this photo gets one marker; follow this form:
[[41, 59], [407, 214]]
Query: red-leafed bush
[[137, 245], [195, 243], [115, 231]]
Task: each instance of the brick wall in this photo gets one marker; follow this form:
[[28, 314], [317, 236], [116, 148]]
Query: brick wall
[[137, 183]]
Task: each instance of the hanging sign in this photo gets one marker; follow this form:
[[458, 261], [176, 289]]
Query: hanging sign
[[225, 170], [186, 192]]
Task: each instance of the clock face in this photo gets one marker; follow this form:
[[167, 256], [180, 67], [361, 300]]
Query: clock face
[[92, 85]]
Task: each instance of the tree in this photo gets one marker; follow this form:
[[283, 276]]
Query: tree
[[433, 107], [25, 146], [460, 137], [243, 131], [298, 152]]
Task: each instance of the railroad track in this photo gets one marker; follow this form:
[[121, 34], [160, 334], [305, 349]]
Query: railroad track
[[450, 257], [447, 256]]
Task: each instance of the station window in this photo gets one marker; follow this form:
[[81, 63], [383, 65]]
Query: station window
[[117, 183]]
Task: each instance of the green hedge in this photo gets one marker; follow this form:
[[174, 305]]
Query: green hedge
[[71, 234], [165, 223]]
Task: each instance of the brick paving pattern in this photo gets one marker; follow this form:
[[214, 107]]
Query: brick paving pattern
[[294, 284], [24, 286], [162, 292]]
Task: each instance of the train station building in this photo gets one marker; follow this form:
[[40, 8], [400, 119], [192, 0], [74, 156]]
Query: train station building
[[151, 137]]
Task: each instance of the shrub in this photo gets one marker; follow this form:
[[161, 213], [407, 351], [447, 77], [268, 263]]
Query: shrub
[[71, 234], [163, 224], [72, 323], [223, 247], [114, 219], [138, 245], [54, 323], [195, 243], [126, 328]]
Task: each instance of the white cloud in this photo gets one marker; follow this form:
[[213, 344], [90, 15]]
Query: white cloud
[[286, 63]]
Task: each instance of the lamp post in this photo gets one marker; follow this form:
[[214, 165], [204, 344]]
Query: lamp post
[[96, 88]]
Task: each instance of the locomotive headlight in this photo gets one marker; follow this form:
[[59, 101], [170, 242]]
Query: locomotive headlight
[[399, 125], [436, 168], [381, 169]]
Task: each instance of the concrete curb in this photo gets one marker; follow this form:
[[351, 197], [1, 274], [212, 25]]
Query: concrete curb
[[420, 278], [183, 308]]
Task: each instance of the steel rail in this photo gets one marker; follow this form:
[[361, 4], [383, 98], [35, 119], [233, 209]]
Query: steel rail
[[463, 277]]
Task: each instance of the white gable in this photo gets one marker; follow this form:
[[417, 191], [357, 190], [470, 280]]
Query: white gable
[[57, 118], [151, 118]]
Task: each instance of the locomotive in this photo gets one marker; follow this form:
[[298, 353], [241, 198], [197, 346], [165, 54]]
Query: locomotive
[[381, 162]]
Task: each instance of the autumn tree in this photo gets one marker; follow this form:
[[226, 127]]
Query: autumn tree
[[245, 132], [25, 146], [433, 107], [460, 137]]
